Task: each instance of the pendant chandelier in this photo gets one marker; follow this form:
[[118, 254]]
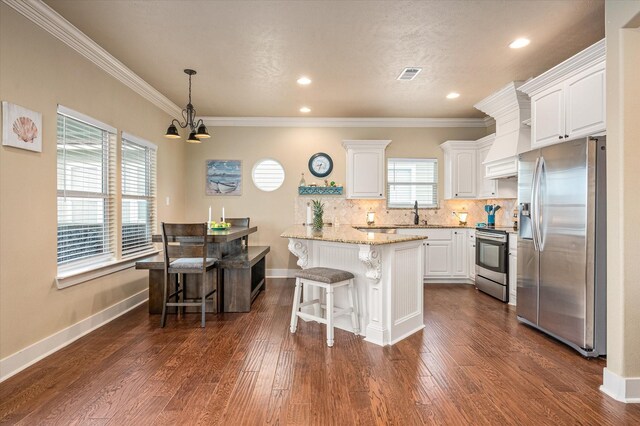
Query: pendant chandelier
[[198, 129]]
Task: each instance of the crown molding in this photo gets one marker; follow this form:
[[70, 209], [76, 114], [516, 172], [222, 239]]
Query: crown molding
[[590, 56], [51, 21], [504, 100], [343, 122]]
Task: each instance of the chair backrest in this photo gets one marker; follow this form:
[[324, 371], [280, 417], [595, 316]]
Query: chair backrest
[[184, 240], [240, 221]]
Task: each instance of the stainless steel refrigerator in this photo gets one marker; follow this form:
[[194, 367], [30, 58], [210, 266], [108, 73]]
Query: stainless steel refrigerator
[[562, 243]]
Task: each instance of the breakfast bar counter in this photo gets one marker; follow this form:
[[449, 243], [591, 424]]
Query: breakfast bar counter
[[388, 276]]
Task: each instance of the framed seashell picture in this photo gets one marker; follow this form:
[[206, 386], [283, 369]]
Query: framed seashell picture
[[21, 127]]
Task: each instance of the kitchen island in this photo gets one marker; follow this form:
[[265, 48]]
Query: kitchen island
[[388, 271]]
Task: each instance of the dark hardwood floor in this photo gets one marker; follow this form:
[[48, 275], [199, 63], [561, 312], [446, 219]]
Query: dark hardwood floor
[[472, 364]]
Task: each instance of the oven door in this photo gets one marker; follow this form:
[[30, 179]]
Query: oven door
[[491, 255]]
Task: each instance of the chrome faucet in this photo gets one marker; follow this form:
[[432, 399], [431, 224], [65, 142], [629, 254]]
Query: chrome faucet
[[416, 218]]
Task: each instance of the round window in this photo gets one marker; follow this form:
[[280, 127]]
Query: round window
[[267, 175]]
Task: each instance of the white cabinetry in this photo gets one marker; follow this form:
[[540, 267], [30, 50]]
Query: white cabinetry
[[365, 168], [447, 257], [460, 165], [464, 172], [569, 101], [547, 117], [438, 259], [460, 252], [585, 112], [471, 257], [513, 267]]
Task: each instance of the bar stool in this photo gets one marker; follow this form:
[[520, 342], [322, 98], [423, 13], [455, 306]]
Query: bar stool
[[328, 279]]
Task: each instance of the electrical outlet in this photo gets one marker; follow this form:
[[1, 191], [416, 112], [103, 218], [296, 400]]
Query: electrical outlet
[[168, 201]]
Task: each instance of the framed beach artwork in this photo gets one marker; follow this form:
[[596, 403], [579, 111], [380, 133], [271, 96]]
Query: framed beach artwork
[[21, 127], [224, 177]]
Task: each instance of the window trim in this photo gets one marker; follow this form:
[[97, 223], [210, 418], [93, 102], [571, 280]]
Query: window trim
[[83, 270], [96, 270], [389, 206], [108, 193]]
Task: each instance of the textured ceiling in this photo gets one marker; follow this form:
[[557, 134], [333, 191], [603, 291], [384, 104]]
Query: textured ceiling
[[249, 54]]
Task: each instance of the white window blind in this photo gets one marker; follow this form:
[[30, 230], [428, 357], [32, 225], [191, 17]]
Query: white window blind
[[86, 210], [410, 180], [268, 175], [138, 194]]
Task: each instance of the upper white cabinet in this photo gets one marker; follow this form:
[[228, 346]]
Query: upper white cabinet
[[547, 117], [460, 165], [464, 172], [365, 168], [569, 101], [585, 112]]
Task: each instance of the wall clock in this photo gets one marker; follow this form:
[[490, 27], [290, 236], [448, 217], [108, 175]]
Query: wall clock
[[320, 165]]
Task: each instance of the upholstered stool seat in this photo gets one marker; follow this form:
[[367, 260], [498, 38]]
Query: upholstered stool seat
[[327, 279], [324, 275]]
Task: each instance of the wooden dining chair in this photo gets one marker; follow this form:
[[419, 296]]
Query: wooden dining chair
[[185, 252], [240, 221]]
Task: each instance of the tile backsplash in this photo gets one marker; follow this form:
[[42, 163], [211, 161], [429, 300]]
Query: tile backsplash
[[354, 212]]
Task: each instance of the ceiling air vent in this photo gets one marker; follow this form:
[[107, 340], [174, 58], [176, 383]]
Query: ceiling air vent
[[409, 74]]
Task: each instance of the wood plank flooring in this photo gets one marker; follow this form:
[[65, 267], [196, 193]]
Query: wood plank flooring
[[472, 364]]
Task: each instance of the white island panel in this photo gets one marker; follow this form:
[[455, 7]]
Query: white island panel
[[388, 281]]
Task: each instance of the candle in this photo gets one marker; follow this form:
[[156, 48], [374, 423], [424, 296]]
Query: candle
[[209, 214], [308, 215], [223, 214]]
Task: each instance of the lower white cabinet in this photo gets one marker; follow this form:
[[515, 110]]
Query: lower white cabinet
[[513, 267], [471, 257], [438, 260], [460, 252], [447, 254]]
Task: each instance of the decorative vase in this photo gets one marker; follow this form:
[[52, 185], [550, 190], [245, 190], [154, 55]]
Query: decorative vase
[[318, 211]]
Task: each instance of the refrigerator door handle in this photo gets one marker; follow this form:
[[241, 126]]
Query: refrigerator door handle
[[534, 206], [539, 213]]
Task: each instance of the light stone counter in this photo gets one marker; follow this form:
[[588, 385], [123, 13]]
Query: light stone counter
[[346, 234], [388, 270]]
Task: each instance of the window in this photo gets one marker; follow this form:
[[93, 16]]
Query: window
[[411, 179], [138, 194], [86, 209], [267, 175]]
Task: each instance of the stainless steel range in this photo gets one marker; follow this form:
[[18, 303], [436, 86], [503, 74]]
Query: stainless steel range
[[492, 274]]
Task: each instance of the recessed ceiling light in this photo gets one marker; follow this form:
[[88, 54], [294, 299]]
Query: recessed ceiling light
[[453, 95], [519, 42], [303, 81], [305, 109]]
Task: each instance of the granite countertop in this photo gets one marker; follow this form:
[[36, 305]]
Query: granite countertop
[[347, 234], [412, 226]]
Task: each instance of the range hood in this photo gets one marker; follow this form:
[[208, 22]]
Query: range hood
[[509, 108]]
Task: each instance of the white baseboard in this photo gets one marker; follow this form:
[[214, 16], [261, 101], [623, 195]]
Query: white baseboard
[[31, 354], [623, 389], [281, 273], [449, 281]]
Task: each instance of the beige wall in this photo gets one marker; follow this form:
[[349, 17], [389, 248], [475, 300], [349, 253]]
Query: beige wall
[[273, 212], [37, 71], [623, 198]]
